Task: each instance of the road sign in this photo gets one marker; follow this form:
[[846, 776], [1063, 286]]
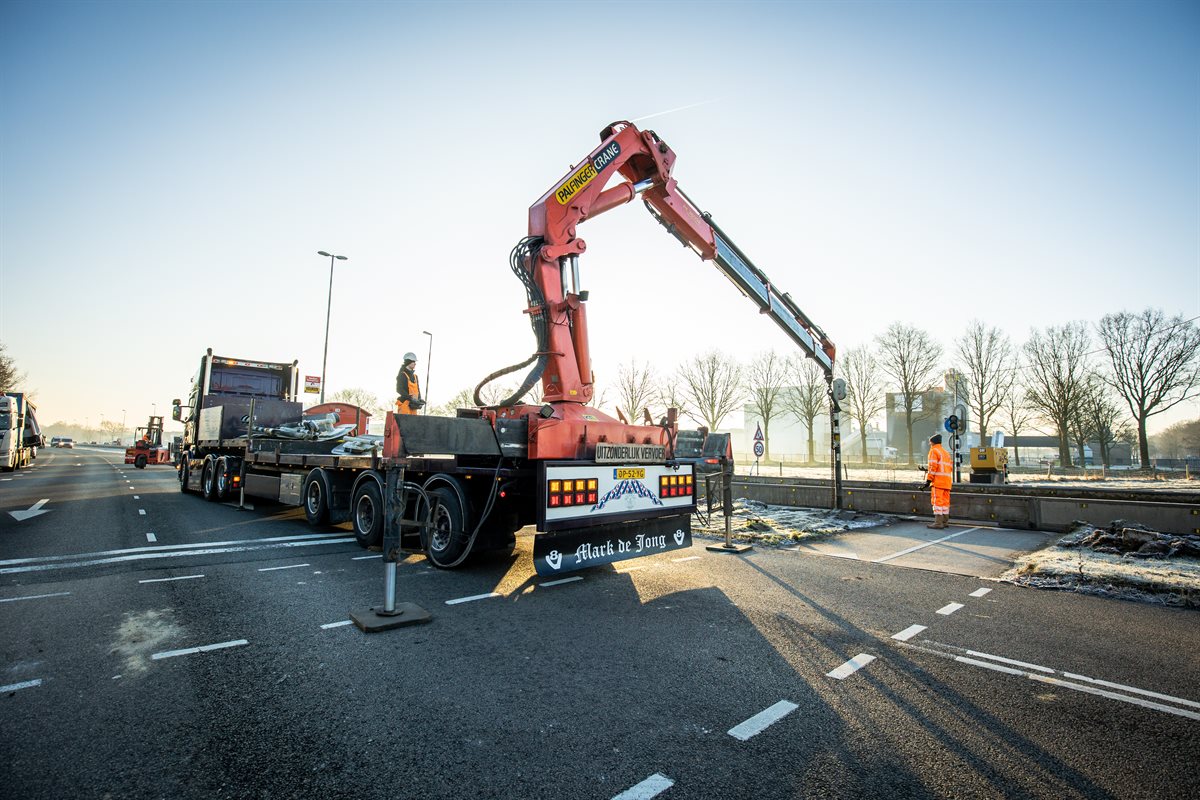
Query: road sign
[[758, 437], [312, 384], [759, 449]]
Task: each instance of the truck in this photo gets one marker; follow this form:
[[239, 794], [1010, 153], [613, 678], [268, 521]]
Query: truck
[[20, 435], [596, 489]]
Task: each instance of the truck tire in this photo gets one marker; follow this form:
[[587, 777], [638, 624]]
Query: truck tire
[[224, 479], [366, 514], [316, 496], [183, 477], [140, 462], [208, 480], [448, 539]]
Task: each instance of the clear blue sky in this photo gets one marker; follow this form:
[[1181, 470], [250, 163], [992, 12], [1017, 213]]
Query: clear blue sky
[[169, 170]]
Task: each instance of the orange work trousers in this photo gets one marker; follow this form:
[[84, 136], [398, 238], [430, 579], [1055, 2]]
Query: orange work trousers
[[940, 500]]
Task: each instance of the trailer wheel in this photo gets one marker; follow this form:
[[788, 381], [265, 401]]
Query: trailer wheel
[[448, 537], [140, 462], [208, 480], [316, 497], [223, 479], [367, 515]]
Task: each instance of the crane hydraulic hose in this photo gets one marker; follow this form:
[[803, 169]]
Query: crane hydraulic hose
[[527, 251]]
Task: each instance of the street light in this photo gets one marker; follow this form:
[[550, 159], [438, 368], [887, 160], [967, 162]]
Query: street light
[[328, 306], [122, 425], [428, 358]]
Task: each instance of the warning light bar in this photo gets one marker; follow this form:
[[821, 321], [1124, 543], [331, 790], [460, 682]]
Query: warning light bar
[[675, 486], [575, 492]]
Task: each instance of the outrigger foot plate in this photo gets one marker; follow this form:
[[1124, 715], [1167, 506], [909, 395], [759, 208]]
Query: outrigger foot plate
[[728, 548], [373, 620]]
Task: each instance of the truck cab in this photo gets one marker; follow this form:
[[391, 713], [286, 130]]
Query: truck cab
[[218, 405]]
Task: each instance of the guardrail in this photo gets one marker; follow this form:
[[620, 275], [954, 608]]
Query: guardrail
[[1008, 506]]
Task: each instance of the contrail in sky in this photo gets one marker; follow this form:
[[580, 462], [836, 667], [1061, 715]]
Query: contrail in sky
[[673, 110]]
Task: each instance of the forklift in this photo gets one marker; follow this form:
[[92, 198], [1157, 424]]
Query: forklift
[[148, 448]]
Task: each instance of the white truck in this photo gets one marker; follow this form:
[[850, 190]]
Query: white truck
[[20, 436]]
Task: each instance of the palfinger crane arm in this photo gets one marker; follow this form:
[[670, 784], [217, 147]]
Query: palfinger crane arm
[[549, 258]]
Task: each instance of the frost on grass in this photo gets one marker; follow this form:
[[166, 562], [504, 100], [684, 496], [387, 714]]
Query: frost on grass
[[1125, 561], [758, 523]]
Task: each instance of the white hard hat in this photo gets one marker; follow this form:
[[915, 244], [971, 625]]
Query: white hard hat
[[410, 356]]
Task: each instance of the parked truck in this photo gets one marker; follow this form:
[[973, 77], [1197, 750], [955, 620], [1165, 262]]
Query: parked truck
[[20, 435], [597, 489]]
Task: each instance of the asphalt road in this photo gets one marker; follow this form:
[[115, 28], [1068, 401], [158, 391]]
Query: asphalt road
[[687, 675]]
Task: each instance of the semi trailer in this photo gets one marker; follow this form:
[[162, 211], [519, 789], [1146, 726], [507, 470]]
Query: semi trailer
[[20, 435]]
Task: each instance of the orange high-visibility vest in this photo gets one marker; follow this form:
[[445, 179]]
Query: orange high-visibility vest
[[407, 381], [939, 467]]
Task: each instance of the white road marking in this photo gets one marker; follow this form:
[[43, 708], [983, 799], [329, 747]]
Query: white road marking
[[989, 665], [908, 633], [164, 580], [923, 545], [562, 581], [979, 593], [1125, 688], [628, 569], [653, 786], [12, 687], [329, 625], [471, 598], [688, 558], [33, 597], [289, 566], [853, 556], [187, 651], [150, 537], [364, 558], [850, 667], [33, 511], [949, 609], [161, 552], [762, 720], [1079, 687], [1012, 661], [142, 512], [136, 497]]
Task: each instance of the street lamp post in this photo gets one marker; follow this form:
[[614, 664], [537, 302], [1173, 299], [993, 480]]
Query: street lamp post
[[328, 306], [122, 426], [428, 358]]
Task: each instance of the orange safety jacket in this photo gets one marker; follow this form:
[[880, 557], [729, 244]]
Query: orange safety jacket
[[940, 467], [408, 389]]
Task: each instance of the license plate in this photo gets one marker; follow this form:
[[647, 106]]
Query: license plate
[[629, 474]]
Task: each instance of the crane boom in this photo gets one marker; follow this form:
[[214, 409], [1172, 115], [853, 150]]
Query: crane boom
[[550, 257]]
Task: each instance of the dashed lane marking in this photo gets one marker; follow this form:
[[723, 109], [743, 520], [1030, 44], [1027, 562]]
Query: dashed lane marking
[[33, 597], [979, 593], [141, 512], [561, 581], [908, 633], [364, 558], [289, 566], [915, 548], [187, 651], [12, 687], [150, 537], [164, 580], [653, 786], [762, 720], [949, 609], [472, 598], [329, 625], [850, 667], [135, 497]]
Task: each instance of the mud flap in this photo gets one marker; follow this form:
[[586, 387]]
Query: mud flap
[[579, 548]]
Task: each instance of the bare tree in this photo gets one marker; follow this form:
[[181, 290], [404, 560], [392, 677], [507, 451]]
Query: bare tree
[[1017, 414], [765, 379], [635, 388], [670, 395], [807, 398], [1155, 364], [986, 358], [1106, 417], [1178, 441], [357, 396], [864, 389], [10, 377], [909, 356], [112, 429], [711, 384], [1057, 374], [464, 399]]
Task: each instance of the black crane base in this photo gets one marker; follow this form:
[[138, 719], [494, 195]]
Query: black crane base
[[374, 620], [728, 548]]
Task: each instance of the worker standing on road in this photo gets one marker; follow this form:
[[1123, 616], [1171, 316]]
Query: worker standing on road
[[938, 476], [408, 391]]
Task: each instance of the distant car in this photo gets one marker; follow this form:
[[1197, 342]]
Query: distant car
[[66, 442], [56, 441]]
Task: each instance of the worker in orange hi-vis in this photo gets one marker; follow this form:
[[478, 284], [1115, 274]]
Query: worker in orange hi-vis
[[408, 390], [938, 476]]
